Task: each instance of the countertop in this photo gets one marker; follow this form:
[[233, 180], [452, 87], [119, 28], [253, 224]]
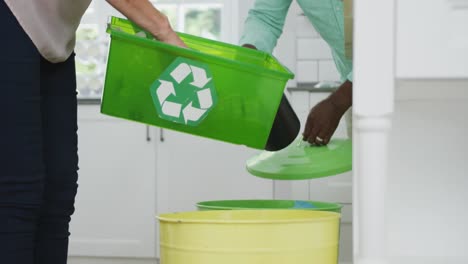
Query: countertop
[[322, 87]]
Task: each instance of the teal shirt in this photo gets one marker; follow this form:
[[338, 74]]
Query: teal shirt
[[265, 22]]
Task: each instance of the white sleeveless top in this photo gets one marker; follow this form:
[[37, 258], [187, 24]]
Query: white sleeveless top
[[51, 24]]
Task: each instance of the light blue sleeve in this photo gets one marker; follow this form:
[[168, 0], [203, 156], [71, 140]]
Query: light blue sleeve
[[264, 24], [350, 76]]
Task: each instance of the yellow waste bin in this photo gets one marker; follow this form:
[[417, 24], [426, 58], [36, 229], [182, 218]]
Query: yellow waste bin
[[250, 237]]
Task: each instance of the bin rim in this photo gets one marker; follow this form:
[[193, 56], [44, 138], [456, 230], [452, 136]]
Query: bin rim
[[206, 205], [177, 218]]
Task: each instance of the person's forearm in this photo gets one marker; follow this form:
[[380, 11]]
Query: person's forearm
[[143, 13], [343, 97], [264, 24]]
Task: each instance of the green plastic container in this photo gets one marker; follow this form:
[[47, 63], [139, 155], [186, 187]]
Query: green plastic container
[[269, 204], [249, 84]]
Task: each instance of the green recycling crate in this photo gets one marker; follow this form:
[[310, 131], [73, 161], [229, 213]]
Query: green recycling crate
[[212, 89]]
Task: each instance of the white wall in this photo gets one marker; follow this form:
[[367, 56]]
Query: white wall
[[303, 51], [300, 47]]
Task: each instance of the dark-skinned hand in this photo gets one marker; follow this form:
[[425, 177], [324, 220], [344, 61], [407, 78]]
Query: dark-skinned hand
[[324, 117]]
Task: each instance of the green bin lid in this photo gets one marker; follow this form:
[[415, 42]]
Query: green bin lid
[[300, 161]]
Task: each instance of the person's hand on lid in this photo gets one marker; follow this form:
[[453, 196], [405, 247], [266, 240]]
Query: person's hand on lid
[[324, 117]]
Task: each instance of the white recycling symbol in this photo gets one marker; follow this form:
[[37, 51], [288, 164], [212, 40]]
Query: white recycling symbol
[[174, 108]]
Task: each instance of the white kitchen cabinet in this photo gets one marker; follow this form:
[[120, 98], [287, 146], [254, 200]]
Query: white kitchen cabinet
[[129, 173], [194, 169], [435, 44], [115, 206]]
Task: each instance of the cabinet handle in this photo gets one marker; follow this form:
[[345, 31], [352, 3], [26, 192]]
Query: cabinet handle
[[148, 136], [161, 135]]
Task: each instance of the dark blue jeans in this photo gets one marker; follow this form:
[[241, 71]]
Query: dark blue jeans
[[38, 149]]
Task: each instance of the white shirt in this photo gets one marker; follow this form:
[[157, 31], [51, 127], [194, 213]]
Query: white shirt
[[51, 24]]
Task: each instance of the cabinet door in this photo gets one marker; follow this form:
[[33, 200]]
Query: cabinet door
[[115, 206], [193, 169], [435, 44]]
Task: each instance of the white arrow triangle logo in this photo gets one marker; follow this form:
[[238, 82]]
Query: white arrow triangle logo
[[181, 72], [164, 90], [171, 109], [199, 77], [204, 97], [191, 113]]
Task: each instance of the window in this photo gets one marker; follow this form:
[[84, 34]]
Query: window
[[201, 20], [213, 19]]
